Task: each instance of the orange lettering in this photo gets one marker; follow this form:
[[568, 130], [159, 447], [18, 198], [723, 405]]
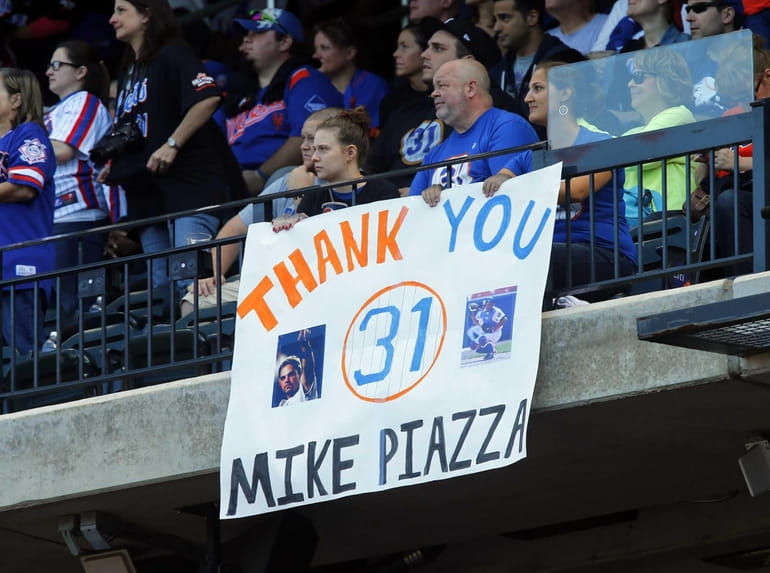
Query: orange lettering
[[255, 301], [289, 282], [353, 249], [326, 254], [387, 240]]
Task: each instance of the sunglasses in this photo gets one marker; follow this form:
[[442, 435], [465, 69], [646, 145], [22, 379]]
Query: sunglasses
[[702, 7], [262, 16], [56, 65], [639, 76]]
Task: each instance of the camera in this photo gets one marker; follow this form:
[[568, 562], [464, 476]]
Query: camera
[[125, 136]]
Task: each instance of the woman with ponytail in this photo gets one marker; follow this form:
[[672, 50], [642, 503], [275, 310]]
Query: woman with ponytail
[[341, 144]]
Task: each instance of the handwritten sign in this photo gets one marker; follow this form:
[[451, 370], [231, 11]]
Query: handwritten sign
[[386, 345]]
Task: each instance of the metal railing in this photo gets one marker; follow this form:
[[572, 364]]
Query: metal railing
[[693, 241], [135, 335]]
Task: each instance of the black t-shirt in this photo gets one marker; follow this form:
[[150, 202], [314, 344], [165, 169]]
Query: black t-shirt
[[401, 95], [156, 96], [405, 139], [376, 190]]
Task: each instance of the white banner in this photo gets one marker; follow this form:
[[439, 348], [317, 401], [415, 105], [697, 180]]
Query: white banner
[[386, 345]]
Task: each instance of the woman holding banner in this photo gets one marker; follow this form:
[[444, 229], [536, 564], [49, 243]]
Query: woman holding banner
[[341, 144]]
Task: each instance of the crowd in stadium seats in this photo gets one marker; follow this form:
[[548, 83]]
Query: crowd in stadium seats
[[229, 104]]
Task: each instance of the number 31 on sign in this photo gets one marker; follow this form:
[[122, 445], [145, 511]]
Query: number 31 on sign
[[393, 341]]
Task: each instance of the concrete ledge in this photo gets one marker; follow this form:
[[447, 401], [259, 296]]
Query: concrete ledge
[[592, 352], [112, 442], [174, 430]]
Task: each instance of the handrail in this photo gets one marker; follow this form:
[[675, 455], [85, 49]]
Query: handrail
[[650, 146], [240, 203], [584, 159]]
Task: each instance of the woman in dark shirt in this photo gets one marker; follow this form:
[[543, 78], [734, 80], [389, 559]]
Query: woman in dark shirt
[[179, 159], [341, 144]]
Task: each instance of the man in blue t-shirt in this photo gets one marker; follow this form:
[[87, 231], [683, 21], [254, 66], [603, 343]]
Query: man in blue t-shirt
[[461, 98], [264, 119]]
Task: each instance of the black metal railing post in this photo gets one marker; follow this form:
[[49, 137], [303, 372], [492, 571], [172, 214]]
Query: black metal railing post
[[761, 184]]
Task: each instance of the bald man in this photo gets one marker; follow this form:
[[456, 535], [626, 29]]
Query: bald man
[[462, 100], [413, 130]]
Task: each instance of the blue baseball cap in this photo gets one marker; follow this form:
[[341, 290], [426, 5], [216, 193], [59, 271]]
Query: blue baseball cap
[[282, 21]]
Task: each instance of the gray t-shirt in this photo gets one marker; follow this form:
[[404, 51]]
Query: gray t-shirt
[[255, 213], [584, 38], [520, 68]]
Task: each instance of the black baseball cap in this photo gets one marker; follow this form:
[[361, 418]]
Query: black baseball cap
[[480, 44]]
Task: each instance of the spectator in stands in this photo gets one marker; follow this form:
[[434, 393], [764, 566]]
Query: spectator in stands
[[441, 10], [616, 30], [414, 129], [657, 22], [408, 71], [36, 28], [757, 14], [579, 23], [483, 14], [574, 99], [337, 52], [456, 39], [80, 119], [660, 88], [620, 28], [224, 257], [462, 100], [26, 206], [709, 19], [724, 160], [519, 28], [341, 144], [264, 120], [174, 157], [657, 27]]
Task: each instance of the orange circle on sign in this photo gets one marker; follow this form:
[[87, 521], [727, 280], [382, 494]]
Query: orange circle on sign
[[436, 354]]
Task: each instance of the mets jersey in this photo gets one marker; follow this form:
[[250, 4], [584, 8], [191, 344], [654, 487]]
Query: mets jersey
[[80, 120]]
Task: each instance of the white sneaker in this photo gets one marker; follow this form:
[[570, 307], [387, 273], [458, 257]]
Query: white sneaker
[[568, 301]]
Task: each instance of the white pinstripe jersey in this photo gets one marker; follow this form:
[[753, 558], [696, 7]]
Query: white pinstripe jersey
[[79, 120]]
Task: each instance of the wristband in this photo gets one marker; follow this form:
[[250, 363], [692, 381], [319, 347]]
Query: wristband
[[261, 174]]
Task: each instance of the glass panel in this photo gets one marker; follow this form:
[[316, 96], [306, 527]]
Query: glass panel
[[651, 89]]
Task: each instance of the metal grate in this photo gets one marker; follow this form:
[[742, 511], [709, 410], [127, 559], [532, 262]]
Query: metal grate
[[737, 327]]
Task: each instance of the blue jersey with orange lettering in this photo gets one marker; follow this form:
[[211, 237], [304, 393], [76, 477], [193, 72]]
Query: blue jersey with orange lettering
[[27, 159], [256, 134], [494, 130]]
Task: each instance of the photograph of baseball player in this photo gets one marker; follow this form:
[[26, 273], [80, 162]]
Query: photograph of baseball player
[[488, 326], [299, 366]]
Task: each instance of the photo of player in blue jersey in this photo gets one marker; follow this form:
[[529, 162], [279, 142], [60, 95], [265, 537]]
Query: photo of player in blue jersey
[[488, 326]]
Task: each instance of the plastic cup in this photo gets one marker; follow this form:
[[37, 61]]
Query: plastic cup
[[195, 238]]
